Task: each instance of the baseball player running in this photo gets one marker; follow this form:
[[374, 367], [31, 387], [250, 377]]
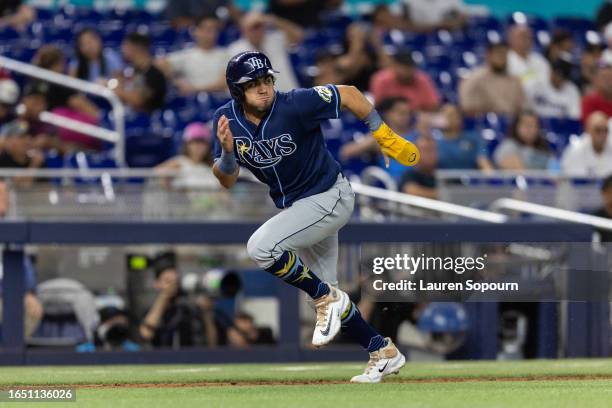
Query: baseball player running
[[277, 136]]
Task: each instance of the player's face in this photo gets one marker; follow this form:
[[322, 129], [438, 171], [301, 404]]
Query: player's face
[[259, 94]]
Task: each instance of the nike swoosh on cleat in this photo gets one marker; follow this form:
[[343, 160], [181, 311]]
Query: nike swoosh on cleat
[[326, 331], [383, 369]]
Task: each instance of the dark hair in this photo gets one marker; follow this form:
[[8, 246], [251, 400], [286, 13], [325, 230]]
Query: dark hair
[[493, 44], [205, 17], [163, 262], [560, 35], [389, 103], [562, 66], [606, 183], [82, 61], [47, 56], [138, 39], [540, 142], [243, 315], [403, 56], [208, 159]]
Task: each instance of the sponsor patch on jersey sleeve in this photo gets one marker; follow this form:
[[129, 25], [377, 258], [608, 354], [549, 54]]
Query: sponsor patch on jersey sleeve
[[324, 92]]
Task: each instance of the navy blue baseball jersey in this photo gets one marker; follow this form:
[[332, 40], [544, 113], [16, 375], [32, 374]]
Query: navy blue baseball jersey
[[287, 150]]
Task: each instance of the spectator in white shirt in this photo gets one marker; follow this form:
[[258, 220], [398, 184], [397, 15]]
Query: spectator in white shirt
[[430, 15], [592, 154], [272, 36], [523, 62], [556, 97], [200, 68]]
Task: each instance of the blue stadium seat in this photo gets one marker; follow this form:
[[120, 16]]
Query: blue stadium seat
[[229, 35], [574, 25], [101, 160], [53, 160], [148, 151]]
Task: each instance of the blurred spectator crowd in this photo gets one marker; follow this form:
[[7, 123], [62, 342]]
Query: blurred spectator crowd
[[473, 91]]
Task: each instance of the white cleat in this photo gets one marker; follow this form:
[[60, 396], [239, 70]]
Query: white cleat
[[387, 360], [329, 309]]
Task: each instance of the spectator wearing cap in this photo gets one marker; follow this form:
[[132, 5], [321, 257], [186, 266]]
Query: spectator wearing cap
[[194, 164], [145, 90], [491, 88], [405, 80], [523, 62], [556, 97], [9, 96], [272, 36], [591, 154], [600, 99], [200, 68]]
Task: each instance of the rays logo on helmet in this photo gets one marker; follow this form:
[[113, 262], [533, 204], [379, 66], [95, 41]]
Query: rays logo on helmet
[[264, 153], [324, 92], [256, 63]]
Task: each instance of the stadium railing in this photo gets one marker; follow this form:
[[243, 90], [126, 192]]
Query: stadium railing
[[55, 212], [116, 137], [480, 189]]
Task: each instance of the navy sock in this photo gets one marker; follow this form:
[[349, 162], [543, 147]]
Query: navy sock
[[290, 268], [355, 326]]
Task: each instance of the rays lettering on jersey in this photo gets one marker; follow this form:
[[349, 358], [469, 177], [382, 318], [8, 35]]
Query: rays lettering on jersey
[[264, 153]]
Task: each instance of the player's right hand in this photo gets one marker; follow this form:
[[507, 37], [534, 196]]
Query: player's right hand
[[224, 134]]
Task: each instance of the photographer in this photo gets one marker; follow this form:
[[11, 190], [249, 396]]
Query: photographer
[[113, 332], [170, 321]]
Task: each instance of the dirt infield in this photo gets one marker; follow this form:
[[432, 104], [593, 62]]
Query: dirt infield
[[320, 382]]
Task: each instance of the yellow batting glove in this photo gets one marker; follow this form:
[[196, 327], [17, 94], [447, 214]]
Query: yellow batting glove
[[395, 146]]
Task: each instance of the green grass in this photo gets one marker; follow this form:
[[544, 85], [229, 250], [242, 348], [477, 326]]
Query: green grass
[[541, 384]]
